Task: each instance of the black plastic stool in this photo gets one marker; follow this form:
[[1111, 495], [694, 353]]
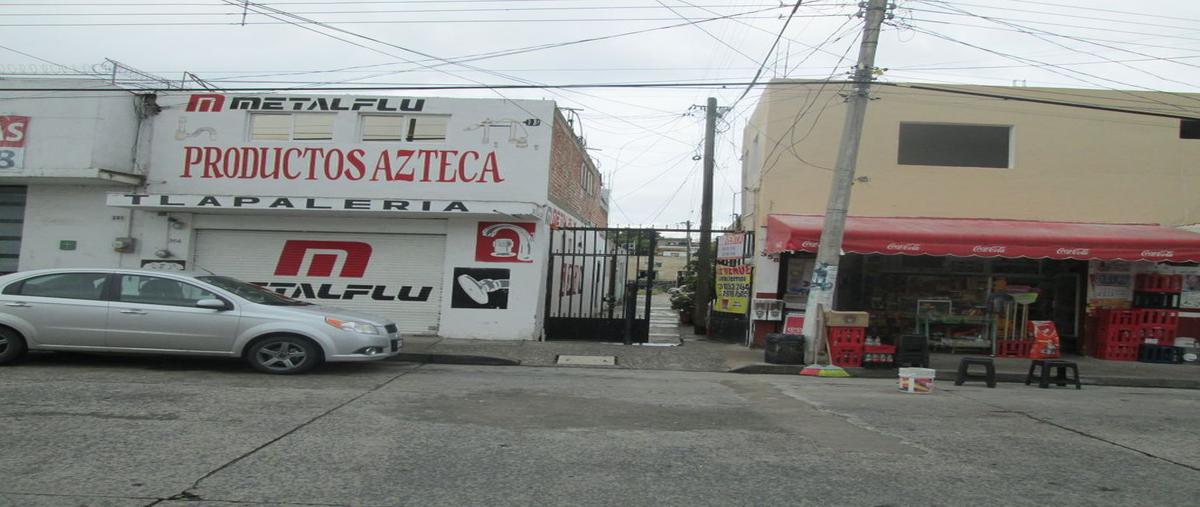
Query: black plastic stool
[[1056, 366], [989, 371]]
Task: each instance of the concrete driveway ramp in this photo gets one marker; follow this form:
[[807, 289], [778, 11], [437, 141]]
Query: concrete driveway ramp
[[570, 360]]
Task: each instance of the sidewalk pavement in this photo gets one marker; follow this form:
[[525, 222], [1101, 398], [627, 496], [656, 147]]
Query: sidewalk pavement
[[697, 353]]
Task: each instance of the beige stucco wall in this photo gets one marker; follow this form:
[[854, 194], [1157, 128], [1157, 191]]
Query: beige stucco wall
[[1067, 164]]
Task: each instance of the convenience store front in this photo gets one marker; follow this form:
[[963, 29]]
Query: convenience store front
[[969, 284]]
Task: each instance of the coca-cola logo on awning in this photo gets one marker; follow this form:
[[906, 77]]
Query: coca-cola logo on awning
[[1073, 251], [1158, 253], [904, 247], [993, 249], [808, 244]]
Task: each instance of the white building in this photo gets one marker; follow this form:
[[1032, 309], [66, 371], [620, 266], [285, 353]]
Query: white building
[[435, 212]]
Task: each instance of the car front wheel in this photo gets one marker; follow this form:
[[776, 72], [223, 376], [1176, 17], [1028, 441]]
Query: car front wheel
[[12, 346], [284, 355]]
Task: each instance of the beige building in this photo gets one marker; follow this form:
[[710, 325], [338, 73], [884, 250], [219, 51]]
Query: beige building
[[940, 154], [1026, 156]]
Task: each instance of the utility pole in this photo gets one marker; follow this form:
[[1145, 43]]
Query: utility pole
[[689, 243], [829, 251], [704, 268]]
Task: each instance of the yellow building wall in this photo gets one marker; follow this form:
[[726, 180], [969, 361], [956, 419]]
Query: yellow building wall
[[1067, 164]]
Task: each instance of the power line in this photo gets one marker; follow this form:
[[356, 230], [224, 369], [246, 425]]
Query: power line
[[376, 22], [343, 12], [767, 57]]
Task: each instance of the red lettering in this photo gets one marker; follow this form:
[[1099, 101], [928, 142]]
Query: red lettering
[[277, 163], [490, 165], [341, 164], [231, 162], [312, 154], [250, 163], [191, 156], [462, 166], [383, 164], [427, 157], [212, 157], [445, 164], [407, 155], [287, 163], [357, 168]]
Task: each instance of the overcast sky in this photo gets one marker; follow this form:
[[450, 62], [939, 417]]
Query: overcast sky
[[645, 140]]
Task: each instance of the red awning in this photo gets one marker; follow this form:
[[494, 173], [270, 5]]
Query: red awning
[[978, 237]]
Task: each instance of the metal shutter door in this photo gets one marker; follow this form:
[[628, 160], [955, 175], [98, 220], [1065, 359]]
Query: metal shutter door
[[320, 266]]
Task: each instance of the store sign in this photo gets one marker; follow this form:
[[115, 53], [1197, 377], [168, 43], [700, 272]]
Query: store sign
[[733, 289], [13, 133], [334, 259], [731, 246], [289, 203], [332, 164], [215, 102], [505, 242]]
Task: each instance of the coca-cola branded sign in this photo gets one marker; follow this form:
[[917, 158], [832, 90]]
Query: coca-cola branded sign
[[904, 247], [989, 249], [1158, 254], [1073, 251]]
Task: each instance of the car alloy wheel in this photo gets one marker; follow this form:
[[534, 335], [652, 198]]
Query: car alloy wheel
[[12, 347], [284, 355]]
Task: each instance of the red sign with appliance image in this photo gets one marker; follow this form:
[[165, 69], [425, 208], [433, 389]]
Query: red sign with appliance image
[[505, 242]]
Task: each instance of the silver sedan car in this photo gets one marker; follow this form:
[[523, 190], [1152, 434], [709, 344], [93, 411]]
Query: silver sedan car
[[116, 310]]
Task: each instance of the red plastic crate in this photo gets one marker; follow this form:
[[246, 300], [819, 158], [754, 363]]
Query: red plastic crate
[[847, 357], [1118, 318], [1013, 348], [1151, 282], [1159, 335], [1117, 352], [847, 336], [1158, 318], [1119, 334]]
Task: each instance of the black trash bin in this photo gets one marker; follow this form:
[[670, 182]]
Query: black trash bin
[[784, 349]]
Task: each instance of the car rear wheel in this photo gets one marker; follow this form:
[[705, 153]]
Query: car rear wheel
[[12, 346], [284, 355]]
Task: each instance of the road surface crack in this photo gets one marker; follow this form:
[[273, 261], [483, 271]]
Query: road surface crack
[[189, 494], [1080, 433]]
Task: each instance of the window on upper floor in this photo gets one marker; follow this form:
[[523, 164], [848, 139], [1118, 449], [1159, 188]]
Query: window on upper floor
[[1189, 129], [423, 128], [291, 126], [588, 179], [955, 145]]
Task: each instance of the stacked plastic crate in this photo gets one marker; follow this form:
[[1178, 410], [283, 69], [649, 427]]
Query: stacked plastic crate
[[1146, 332], [1157, 298], [847, 332]]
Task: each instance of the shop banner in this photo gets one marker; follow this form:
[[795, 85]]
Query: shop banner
[[733, 289], [731, 246]]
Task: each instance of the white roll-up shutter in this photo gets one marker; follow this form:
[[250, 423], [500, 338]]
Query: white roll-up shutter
[[398, 276]]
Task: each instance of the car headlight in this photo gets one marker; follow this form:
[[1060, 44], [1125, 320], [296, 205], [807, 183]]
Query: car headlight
[[352, 326]]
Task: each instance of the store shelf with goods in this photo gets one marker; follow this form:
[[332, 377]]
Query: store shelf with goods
[[1153, 282]]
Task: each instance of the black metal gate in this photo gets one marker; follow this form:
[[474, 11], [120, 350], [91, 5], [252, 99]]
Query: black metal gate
[[593, 282]]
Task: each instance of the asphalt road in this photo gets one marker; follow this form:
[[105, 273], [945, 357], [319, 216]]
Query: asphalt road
[[80, 430]]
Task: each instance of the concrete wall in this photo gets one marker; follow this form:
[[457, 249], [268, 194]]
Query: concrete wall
[[71, 134], [56, 213], [568, 160], [1068, 164]]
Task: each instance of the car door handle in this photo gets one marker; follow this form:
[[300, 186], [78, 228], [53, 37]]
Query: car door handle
[[133, 312], [22, 305]]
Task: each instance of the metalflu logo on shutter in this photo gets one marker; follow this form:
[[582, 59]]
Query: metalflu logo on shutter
[[334, 259], [322, 257]]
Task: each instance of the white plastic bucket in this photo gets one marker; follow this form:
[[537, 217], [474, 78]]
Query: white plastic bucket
[[916, 380]]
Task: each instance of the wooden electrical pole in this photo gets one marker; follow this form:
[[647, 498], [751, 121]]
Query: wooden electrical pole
[[704, 268], [829, 251]]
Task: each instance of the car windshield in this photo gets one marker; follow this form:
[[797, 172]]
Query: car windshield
[[251, 292]]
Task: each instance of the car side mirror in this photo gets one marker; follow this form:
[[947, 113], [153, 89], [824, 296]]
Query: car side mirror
[[212, 304]]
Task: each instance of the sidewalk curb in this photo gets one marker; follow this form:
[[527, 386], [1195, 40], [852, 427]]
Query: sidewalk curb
[[417, 357], [949, 376]]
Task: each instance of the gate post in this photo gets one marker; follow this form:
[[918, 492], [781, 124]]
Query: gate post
[[631, 292]]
